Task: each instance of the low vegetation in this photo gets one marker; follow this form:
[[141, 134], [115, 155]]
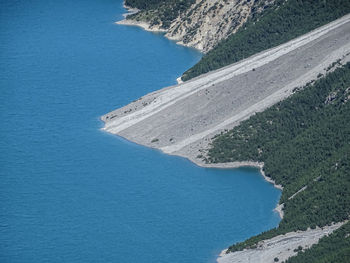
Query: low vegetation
[[303, 141]]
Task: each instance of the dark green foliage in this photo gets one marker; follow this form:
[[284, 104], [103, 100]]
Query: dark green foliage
[[332, 249], [282, 22], [143, 4], [158, 12], [303, 141]]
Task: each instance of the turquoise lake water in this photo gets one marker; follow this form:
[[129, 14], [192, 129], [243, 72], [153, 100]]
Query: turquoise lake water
[[71, 193]]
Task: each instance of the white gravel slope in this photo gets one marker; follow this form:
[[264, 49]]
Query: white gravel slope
[[281, 247], [181, 119]]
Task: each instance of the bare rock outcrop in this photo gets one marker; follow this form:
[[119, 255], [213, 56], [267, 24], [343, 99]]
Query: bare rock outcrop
[[208, 22], [205, 23]]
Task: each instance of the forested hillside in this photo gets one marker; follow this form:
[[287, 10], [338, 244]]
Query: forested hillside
[[281, 22], [304, 142]]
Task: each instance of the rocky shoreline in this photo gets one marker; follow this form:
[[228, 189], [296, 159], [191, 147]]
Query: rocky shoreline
[[146, 26]]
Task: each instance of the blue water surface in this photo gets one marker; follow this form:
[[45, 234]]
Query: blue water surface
[[71, 193]]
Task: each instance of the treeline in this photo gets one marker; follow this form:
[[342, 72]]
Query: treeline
[[159, 12], [144, 4], [279, 23], [303, 141]]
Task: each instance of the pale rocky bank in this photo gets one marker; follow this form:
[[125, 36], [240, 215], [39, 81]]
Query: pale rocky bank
[[204, 24], [281, 247]]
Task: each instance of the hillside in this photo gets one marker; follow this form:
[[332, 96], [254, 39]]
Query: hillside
[[304, 142], [283, 104], [228, 31], [196, 23], [283, 21]]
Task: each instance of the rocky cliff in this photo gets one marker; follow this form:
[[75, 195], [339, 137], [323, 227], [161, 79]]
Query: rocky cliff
[[201, 24]]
